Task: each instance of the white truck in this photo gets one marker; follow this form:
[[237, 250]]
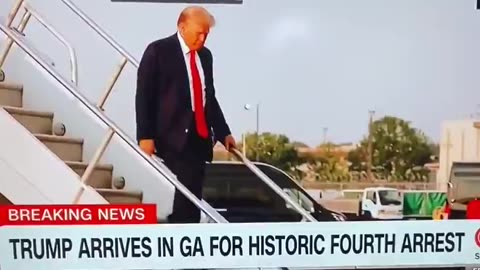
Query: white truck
[[381, 203]]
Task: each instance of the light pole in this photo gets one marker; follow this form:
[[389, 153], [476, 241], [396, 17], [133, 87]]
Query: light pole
[[247, 107], [370, 138], [244, 144], [325, 130]]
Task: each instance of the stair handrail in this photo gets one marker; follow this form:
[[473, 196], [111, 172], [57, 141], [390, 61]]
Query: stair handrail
[[29, 12], [102, 33], [126, 56], [135, 63], [112, 128], [273, 186]]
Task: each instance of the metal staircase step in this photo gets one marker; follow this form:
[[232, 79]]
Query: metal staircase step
[[101, 176], [35, 121], [115, 196], [68, 149], [11, 94]]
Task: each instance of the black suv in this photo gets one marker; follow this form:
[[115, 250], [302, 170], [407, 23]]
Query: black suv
[[241, 196]]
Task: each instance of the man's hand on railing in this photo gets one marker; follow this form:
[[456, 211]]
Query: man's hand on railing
[[230, 143], [147, 146]]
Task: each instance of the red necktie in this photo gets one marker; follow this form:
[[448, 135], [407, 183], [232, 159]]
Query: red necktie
[[198, 98]]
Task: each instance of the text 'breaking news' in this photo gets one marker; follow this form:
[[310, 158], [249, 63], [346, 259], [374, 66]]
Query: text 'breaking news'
[[78, 214]]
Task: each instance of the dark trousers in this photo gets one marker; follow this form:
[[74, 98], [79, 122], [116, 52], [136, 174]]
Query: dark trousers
[[189, 167]]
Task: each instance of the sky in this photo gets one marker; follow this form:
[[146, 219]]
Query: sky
[[315, 64]]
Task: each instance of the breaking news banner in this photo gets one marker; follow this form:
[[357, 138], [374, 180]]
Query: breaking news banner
[[200, 246], [22, 215]]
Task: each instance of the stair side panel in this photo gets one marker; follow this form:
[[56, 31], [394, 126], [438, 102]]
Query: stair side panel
[[34, 171]]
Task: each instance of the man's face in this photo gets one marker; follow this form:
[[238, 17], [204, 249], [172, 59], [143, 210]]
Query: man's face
[[194, 33]]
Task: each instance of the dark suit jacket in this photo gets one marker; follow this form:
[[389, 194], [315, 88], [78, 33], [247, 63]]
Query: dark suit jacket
[[163, 102]]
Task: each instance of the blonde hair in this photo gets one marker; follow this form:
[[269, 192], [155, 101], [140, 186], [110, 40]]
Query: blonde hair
[[196, 13]]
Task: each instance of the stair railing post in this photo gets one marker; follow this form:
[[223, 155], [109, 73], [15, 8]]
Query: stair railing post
[[59, 37], [112, 82], [91, 165], [20, 28], [13, 12]]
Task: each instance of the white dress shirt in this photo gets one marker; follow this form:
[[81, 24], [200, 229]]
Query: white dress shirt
[[186, 54]]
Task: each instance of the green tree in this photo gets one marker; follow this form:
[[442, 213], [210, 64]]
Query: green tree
[[398, 149], [331, 164], [298, 144], [274, 149], [358, 158]]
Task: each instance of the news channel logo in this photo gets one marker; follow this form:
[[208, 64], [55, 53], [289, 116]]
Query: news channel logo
[[477, 254], [477, 238]]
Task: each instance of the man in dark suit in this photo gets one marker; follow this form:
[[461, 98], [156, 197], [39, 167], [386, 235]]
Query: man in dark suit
[[178, 116]]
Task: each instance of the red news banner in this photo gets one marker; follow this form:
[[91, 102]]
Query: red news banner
[[15, 215]]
